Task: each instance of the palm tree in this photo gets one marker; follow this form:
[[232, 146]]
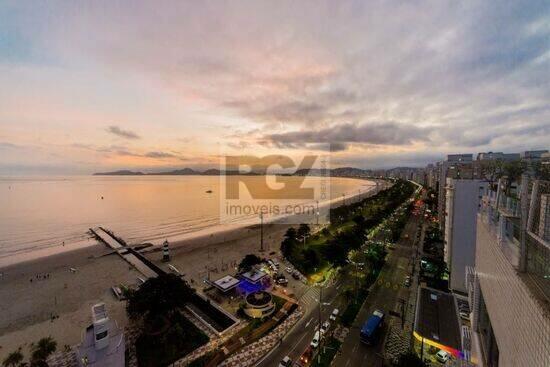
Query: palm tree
[[13, 359], [41, 350]]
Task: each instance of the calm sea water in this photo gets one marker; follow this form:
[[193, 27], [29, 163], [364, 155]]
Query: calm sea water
[[40, 214]]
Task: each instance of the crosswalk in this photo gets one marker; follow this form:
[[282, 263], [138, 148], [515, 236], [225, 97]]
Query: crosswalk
[[310, 297]]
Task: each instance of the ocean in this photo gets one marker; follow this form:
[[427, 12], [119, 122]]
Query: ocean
[[43, 215]]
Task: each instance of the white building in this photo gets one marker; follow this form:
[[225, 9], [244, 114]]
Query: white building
[[510, 288], [455, 166], [103, 343], [462, 203]]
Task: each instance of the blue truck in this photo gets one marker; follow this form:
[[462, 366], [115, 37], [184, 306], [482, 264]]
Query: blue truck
[[371, 328]]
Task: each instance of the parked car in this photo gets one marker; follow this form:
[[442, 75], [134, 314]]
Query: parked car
[[289, 270], [296, 275], [281, 280], [442, 356], [407, 282], [325, 327], [286, 362], [305, 358], [334, 314], [315, 341]]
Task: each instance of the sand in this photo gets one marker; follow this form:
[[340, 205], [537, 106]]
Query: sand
[[26, 307]]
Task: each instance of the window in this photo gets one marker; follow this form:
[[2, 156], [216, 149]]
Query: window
[[101, 335]]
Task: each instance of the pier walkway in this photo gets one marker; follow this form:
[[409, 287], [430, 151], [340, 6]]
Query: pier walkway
[[125, 252]]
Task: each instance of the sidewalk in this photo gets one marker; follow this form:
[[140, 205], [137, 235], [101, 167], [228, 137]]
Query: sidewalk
[[249, 355], [399, 339]]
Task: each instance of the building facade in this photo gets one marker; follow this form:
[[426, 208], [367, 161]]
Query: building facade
[[510, 288], [462, 203]]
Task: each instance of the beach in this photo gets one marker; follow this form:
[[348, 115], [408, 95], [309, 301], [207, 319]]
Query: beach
[[43, 297]]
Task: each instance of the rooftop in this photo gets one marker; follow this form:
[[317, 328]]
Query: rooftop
[[254, 275], [437, 318], [226, 283], [113, 355]]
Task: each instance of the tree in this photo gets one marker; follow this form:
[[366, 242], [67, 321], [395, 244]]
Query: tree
[[541, 170], [291, 234], [311, 259], [42, 350], [159, 296], [303, 230], [513, 170], [13, 359], [248, 262]]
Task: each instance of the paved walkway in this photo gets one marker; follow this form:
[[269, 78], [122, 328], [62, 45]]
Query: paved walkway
[[249, 355]]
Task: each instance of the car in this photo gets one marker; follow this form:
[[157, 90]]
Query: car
[[289, 270], [281, 280], [296, 275], [286, 362], [334, 314], [464, 315], [442, 356], [407, 282], [325, 327], [305, 358], [315, 341]]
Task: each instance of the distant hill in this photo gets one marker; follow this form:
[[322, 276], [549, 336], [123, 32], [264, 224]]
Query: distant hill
[[119, 173], [177, 172], [343, 171]]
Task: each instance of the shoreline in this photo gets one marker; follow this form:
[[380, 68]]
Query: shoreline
[[209, 236], [60, 303]]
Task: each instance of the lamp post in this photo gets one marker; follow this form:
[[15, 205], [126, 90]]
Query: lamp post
[[317, 212], [262, 232]]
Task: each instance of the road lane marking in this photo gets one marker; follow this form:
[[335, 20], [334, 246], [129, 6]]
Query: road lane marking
[[309, 322], [296, 344]]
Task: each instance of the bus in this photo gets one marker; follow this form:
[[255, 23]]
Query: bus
[[371, 328]]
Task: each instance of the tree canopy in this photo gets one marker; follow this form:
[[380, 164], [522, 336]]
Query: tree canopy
[[158, 296], [13, 359], [248, 262]]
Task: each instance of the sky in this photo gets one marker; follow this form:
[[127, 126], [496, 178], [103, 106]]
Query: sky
[[103, 85]]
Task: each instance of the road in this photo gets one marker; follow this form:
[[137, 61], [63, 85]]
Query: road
[[384, 295], [298, 339]]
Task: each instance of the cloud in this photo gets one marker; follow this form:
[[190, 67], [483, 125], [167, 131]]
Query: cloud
[[468, 76], [126, 134], [375, 133], [159, 155]]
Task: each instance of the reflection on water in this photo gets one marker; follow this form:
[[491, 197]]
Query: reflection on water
[[43, 212]]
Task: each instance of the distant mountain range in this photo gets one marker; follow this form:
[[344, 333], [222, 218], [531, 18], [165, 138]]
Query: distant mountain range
[[341, 171], [177, 172]]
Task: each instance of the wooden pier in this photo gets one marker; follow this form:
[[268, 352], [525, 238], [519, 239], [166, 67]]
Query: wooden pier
[[128, 254]]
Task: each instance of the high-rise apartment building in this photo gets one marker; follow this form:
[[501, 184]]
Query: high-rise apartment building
[[462, 203], [510, 287]]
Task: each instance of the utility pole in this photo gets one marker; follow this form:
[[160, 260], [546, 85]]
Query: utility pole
[[261, 232], [317, 214]]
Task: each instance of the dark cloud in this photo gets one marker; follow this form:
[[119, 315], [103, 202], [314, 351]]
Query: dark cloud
[[126, 134], [376, 133], [159, 155]]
